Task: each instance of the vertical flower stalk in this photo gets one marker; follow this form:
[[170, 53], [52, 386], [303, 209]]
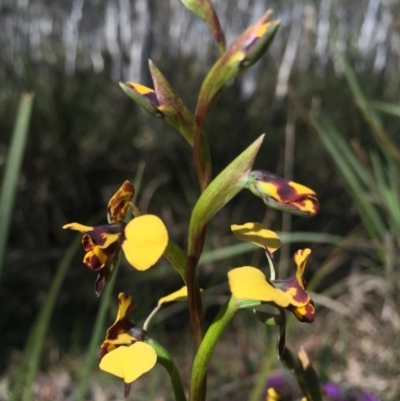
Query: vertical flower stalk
[[241, 54], [221, 190]]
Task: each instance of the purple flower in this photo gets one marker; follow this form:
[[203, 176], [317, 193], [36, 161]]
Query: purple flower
[[335, 393]]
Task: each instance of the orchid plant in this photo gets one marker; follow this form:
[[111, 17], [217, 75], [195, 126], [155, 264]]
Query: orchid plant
[[128, 350]]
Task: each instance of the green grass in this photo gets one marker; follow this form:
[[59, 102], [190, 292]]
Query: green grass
[[12, 171]]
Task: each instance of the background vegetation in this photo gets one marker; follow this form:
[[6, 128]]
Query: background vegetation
[[86, 137]]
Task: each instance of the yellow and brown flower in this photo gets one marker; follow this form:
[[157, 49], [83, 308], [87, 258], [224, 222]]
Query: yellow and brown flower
[[143, 239], [123, 354], [282, 194], [248, 282]]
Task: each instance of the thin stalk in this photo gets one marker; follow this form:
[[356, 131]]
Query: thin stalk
[[199, 122], [147, 322], [207, 346], [164, 358], [194, 299]]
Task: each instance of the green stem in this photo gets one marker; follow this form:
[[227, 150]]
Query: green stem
[[194, 299], [177, 258], [195, 303], [146, 324], [207, 346], [199, 122], [164, 358]]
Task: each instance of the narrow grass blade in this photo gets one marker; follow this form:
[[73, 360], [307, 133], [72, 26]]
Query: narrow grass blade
[[387, 108], [286, 238], [373, 222], [381, 136], [34, 347], [388, 196], [13, 166]]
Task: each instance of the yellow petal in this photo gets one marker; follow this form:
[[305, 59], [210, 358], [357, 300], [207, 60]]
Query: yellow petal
[[300, 258], [258, 235], [262, 29], [272, 395], [250, 283], [78, 227], [180, 295], [122, 339], [143, 90], [125, 305], [130, 362], [146, 240]]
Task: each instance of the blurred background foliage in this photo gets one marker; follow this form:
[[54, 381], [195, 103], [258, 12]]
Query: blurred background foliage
[[86, 137]]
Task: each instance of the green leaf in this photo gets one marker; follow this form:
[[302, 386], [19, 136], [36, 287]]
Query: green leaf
[[177, 258], [12, 169], [221, 190]]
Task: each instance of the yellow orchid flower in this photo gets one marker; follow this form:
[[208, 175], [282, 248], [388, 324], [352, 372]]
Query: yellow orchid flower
[[248, 282], [122, 353], [143, 239]]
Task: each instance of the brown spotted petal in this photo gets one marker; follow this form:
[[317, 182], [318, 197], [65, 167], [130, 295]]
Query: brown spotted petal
[[304, 313], [97, 258], [118, 334], [283, 194], [118, 205], [102, 236], [301, 303]]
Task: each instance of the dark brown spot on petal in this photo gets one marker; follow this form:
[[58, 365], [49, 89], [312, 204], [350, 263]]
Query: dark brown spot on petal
[[122, 326], [105, 348], [87, 243], [292, 286], [304, 314], [92, 261], [99, 233]]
